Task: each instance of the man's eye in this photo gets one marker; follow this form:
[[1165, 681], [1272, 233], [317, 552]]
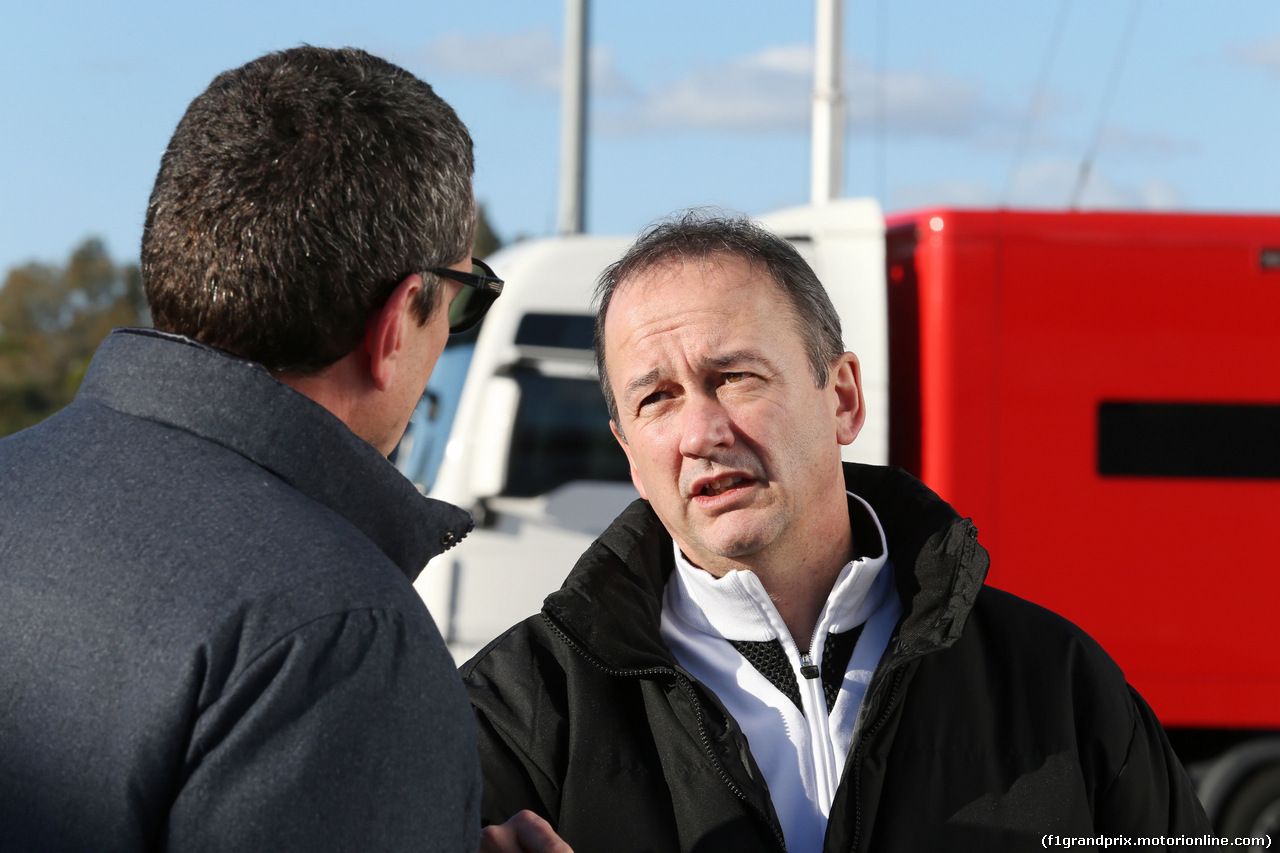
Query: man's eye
[[652, 398], [734, 377]]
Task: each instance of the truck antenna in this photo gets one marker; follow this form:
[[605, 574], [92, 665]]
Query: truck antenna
[[1113, 82], [1037, 99]]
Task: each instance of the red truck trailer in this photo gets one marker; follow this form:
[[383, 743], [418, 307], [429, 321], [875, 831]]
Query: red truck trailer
[[1100, 392]]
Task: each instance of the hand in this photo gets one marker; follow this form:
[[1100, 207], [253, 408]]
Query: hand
[[526, 832]]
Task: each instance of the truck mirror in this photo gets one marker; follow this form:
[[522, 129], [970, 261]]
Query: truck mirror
[[492, 441]]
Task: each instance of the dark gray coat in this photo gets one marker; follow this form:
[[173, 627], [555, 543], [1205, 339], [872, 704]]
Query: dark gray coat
[[209, 638]]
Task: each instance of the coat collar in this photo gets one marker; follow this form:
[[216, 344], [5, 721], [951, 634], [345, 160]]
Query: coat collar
[[611, 603], [179, 382], [939, 565]]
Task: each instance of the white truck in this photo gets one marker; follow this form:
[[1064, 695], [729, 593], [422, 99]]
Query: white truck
[[514, 428]]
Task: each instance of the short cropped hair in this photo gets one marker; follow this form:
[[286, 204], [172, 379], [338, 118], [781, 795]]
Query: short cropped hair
[[296, 193], [702, 235]]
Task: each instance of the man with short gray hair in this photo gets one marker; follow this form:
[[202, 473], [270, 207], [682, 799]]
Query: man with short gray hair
[[773, 650]]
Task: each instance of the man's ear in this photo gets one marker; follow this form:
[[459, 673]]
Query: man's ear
[[626, 448], [385, 335], [846, 384]]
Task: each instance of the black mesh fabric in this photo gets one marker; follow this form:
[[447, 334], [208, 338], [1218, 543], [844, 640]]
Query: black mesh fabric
[[769, 659], [835, 662]]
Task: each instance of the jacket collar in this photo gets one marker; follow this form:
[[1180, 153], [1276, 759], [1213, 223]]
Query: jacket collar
[[939, 566], [182, 383], [611, 604]]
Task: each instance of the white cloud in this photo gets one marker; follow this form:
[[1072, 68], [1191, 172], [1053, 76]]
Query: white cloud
[[770, 91], [1052, 183], [530, 60], [914, 103], [953, 193], [1120, 140], [605, 79], [1156, 194], [783, 59], [1260, 54], [1045, 184]]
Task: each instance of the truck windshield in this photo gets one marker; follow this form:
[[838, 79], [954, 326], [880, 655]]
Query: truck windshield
[[561, 435], [561, 429], [422, 449]]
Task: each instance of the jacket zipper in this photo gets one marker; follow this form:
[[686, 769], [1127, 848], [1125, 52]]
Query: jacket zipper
[[687, 688], [826, 774], [857, 756]]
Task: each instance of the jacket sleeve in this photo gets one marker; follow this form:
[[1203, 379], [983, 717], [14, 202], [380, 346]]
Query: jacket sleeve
[[349, 733], [508, 778], [1152, 794], [521, 724]]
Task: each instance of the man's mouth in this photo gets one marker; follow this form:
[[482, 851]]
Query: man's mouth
[[720, 486]]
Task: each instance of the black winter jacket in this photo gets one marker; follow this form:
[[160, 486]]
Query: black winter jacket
[[989, 724]]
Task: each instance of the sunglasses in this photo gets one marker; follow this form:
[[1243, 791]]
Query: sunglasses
[[482, 288]]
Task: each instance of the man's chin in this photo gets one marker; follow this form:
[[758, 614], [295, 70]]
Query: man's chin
[[735, 539]]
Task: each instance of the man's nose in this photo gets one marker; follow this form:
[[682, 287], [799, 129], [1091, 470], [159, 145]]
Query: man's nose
[[705, 426]]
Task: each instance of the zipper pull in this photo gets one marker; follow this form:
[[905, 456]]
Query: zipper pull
[[807, 667]]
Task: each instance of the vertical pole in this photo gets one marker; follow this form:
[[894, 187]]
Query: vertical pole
[[573, 125], [827, 157]]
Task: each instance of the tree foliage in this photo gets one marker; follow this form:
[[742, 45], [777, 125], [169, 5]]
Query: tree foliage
[[487, 241], [51, 322]]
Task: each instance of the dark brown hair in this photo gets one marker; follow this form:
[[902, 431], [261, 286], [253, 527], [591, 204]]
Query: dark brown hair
[[296, 193]]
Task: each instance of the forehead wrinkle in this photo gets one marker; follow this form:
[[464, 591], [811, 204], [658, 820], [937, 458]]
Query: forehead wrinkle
[[737, 358]]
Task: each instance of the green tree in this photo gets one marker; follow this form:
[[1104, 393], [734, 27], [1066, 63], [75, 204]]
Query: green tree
[[51, 322], [487, 240]]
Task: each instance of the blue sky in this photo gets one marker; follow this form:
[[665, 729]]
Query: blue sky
[[694, 102]]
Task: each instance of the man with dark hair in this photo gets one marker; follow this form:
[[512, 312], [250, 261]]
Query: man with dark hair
[[774, 651], [211, 639]]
